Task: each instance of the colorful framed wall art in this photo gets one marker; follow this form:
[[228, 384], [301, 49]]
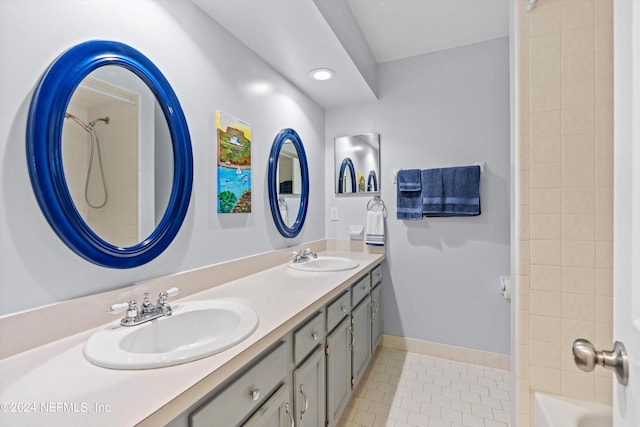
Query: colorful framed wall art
[[234, 164]]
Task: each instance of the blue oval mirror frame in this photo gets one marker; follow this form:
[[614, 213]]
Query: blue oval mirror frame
[[44, 152], [347, 164], [272, 179]]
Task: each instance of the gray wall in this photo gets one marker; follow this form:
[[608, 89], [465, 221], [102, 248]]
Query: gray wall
[[442, 109], [209, 70]]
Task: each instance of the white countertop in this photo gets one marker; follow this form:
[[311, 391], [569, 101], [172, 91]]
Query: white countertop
[[55, 385]]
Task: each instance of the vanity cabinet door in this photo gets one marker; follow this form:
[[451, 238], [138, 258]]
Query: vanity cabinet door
[[376, 275], [376, 317], [308, 337], [338, 370], [277, 411], [309, 391], [361, 343]]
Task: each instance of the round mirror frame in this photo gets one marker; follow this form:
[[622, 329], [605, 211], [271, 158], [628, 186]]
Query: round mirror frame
[[347, 164], [44, 152], [272, 179], [372, 182]]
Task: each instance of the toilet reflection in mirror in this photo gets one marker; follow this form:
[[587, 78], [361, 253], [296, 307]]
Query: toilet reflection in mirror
[[357, 164], [114, 140], [289, 183]]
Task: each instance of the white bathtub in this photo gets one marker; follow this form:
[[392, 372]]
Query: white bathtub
[[556, 411]]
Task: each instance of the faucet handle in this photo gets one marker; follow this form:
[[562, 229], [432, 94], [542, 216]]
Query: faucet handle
[[172, 292], [162, 298], [130, 307], [118, 308], [163, 305]]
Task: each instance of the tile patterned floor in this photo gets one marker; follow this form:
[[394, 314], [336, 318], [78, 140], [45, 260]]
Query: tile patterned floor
[[403, 389]]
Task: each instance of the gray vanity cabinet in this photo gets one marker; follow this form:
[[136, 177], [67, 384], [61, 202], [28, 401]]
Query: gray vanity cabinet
[[351, 343], [277, 411], [309, 373], [361, 342], [309, 391], [338, 353], [307, 379], [376, 307], [248, 393], [376, 317]]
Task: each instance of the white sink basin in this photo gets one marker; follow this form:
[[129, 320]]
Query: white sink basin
[[325, 263], [196, 329]]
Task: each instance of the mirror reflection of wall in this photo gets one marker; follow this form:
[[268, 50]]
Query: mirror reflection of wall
[[289, 183], [357, 164], [114, 137]]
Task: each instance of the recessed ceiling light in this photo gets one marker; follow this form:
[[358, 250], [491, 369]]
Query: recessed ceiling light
[[322, 74]]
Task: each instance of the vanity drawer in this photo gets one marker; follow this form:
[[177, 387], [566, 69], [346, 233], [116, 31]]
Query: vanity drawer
[[360, 290], [245, 394], [337, 310], [308, 337], [376, 275]]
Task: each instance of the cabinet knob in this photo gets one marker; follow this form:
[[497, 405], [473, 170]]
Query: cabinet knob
[[315, 335], [255, 394], [343, 308]]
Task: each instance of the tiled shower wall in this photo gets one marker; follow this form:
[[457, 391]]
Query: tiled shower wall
[[564, 151]]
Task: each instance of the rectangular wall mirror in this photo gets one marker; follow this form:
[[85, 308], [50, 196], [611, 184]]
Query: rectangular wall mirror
[[357, 164]]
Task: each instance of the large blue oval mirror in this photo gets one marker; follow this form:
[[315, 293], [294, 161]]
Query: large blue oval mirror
[[288, 181], [109, 154]]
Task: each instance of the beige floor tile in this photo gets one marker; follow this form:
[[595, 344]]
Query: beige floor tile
[[417, 390]]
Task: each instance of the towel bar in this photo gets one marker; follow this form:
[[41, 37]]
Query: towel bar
[[481, 164]]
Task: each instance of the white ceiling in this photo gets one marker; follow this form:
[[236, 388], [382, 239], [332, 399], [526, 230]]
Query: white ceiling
[[397, 29], [353, 36]]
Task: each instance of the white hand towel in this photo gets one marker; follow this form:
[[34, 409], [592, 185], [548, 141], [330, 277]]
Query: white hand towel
[[374, 228]]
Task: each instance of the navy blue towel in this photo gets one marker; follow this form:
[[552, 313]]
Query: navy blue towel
[[409, 180], [461, 191], [432, 192], [409, 200]]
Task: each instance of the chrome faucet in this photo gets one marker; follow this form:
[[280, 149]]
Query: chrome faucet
[[147, 311], [303, 255]]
